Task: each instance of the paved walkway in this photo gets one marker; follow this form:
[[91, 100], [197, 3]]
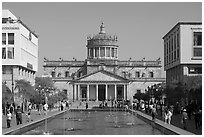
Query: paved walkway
[[176, 121], [35, 117]]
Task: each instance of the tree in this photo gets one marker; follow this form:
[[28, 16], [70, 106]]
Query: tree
[[140, 96], [25, 89], [7, 96], [43, 85]]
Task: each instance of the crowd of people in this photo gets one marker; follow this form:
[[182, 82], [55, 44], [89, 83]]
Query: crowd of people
[[11, 111], [168, 112]]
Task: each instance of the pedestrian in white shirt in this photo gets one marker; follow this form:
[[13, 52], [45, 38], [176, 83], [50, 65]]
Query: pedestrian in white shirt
[[169, 114]]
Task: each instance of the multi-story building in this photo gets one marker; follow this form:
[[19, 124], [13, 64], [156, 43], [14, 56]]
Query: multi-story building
[[183, 52], [102, 76], [19, 51]]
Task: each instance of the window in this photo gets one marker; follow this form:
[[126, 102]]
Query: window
[[10, 51], [67, 74], [177, 53], [197, 44], [3, 53], [151, 74], [107, 52], [112, 52], [197, 52], [53, 74], [195, 70], [96, 52], [91, 53], [129, 75], [137, 74], [197, 39], [124, 74], [11, 38], [4, 20], [143, 74], [59, 75], [3, 38], [138, 90], [116, 53], [102, 52], [3, 69]]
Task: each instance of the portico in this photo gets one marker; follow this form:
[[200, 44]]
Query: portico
[[99, 86]]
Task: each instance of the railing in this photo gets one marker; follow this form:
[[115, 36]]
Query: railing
[[139, 63], [63, 63]]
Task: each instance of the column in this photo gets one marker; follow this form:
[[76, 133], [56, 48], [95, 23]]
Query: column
[[94, 52], [106, 92], [74, 92], [115, 91], [87, 92], [79, 92], [127, 91], [124, 91], [105, 52], [97, 92], [88, 52], [99, 54]]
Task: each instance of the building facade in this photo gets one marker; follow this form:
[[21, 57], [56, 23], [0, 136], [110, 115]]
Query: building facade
[[183, 52], [19, 51], [102, 76]]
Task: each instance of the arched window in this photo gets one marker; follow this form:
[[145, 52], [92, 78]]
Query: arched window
[[59, 75]]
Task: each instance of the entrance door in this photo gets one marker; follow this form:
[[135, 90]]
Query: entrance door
[[83, 92], [101, 92], [119, 93]]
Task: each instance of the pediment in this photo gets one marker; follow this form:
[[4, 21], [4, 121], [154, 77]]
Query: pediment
[[102, 76]]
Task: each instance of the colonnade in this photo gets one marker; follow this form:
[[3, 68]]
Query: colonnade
[[78, 95], [102, 52]]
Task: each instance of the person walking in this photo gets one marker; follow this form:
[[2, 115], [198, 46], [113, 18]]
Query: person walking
[[19, 115], [8, 118], [184, 118], [197, 118], [154, 113], [165, 116], [169, 114]]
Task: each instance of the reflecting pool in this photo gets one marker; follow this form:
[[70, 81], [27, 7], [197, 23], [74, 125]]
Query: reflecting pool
[[96, 123]]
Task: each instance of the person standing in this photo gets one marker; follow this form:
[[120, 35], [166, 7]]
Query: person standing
[[169, 114], [19, 115], [165, 116], [154, 113], [184, 118], [8, 118], [197, 118], [87, 105]]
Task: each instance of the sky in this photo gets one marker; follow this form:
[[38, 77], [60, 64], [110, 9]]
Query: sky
[[63, 27]]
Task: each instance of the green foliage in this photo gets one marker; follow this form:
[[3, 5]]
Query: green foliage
[[140, 96], [25, 89], [44, 82], [6, 94]]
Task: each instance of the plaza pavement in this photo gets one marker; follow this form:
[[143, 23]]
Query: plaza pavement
[[76, 105]]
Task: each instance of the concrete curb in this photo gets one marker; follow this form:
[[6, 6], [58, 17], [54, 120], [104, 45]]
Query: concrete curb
[[32, 125], [160, 125]]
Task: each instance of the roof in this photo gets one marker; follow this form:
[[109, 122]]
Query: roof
[[183, 23], [102, 76]]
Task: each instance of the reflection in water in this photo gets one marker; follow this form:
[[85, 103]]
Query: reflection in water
[[97, 123]]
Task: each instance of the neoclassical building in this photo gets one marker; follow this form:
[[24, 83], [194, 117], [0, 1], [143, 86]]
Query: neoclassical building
[[102, 76]]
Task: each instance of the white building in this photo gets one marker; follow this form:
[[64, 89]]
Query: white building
[[19, 51], [183, 52], [102, 76]]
